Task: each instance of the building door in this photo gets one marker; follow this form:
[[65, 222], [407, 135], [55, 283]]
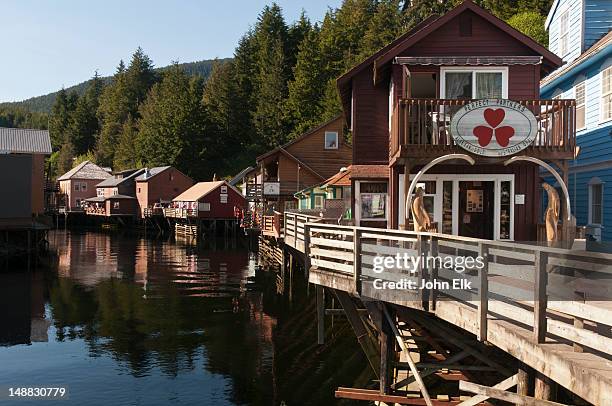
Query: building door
[[476, 209]]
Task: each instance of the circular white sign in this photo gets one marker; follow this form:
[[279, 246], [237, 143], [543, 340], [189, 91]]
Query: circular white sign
[[494, 127]]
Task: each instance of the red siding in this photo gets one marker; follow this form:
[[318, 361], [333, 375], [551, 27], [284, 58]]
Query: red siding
[[164, 186], [486, 40], [370, 121], [220, 210]]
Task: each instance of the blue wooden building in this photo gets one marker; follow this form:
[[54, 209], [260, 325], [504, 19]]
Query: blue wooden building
[[579, 32]]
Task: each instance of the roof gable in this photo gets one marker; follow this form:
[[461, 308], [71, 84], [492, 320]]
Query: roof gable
[[86, 170], [385, 56], [296, 140], [201, 189]]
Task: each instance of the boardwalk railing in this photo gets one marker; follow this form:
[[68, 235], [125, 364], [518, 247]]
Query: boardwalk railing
[[423, 125], [550, 293], [271, 225], [180, 213], [293, 227]]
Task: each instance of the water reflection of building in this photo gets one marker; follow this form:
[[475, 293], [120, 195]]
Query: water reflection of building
[[92, 257], [22, 300]]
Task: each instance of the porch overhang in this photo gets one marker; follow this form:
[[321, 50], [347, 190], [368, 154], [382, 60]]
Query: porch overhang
[[468, 60]]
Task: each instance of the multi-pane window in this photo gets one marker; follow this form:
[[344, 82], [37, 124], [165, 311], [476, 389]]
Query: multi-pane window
[[474, 84], [563, 33], [595, 211], [606, 94], [580, 106]]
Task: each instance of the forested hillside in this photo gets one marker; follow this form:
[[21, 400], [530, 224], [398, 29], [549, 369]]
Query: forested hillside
[[280, 82], [43, 104]]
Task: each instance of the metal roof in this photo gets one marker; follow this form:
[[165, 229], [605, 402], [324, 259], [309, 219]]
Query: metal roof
[[150, 172], [111, 182], [236, 179], [24, 141], [86, 170]]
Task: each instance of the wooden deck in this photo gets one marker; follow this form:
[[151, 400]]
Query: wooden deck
[[421, 128], [549, 308]]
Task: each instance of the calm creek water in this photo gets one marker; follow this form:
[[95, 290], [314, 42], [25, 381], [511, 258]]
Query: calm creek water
[[124, 320]]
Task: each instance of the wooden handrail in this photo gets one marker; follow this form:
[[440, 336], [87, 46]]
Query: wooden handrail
[[426, 122], [507, 265]]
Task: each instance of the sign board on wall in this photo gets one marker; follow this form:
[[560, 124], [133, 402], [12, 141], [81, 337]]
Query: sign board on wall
[[271, 188], [519, 199], [494, 127], [223, 197]]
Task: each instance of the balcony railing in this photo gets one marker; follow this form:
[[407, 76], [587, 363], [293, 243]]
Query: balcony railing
[[421, 127]]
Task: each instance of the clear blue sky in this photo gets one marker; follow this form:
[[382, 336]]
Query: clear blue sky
[[50, 44]]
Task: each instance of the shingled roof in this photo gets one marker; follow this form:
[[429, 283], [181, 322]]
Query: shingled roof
[[86, 170], [25, 141]]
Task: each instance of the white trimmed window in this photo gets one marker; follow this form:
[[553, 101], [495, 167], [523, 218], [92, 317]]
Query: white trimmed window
[[331, 140], [580, 106], [100, 192], [204, 206], [563, 33], [77, 186], [474, 83], [596, 202], [318, 202], [606, 94]]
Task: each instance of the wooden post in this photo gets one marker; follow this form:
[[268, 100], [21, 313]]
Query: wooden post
[[543, 387], [320, 292], [433, 274], [357, 259], [290, 278], [422, 253], [522, 381], [387, 352], [540, 297], [405, 197], [483, 290], [307, 251]]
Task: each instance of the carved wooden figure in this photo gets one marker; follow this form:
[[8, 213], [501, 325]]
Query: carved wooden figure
[[552, 213], [419, 214]]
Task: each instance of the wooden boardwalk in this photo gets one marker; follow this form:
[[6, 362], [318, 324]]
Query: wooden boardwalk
[[549, 308]]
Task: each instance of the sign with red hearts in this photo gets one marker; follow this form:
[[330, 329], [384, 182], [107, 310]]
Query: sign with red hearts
[[494, 127]]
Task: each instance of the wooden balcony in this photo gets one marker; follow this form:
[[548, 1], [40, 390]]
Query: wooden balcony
[[271, 225], [254, 191], [180, 213], [421, 128]]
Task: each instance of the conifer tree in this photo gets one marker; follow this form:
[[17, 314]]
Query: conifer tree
[[171, 128], [125, 152], [84, 126], [60, 117]]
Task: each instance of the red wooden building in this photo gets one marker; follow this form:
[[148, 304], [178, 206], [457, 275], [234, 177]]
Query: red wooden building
[[401, 103], [158, 186], [207, 200]]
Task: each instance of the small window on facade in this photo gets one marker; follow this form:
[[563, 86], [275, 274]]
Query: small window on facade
[[606, 94], [318, 202], [100, 192], [331, 140], [77, 186], [596, 206], [83, 187], [115, 191], [580, 106], [563, 33], [204, 207], [138, 189], [115, 205]]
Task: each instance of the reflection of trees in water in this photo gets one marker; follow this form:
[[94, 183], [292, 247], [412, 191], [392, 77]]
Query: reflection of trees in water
[[114, 318], [160, 306]]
